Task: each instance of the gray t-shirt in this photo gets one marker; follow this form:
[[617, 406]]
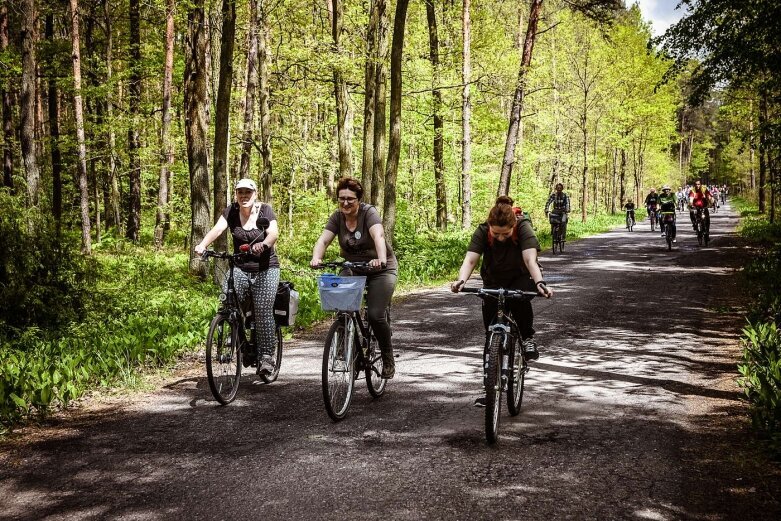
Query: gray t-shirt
[[357, 245]]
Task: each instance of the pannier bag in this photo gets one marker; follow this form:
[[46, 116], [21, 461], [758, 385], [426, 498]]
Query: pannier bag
[[340, 293], [286, 304]]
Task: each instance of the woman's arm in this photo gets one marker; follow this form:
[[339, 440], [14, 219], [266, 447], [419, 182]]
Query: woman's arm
[[378, 236], [530, 260], [321, 245], [272, 234], [467, 267], [215, 232]]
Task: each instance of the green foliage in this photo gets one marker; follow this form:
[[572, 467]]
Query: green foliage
[[43, 279]]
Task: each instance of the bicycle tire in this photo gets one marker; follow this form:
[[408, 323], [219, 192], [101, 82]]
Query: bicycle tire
[[276, 358], [374, 366], [338, 372], [699, 233], [493, 388], [516, 379], [706, 238], [223, 363]]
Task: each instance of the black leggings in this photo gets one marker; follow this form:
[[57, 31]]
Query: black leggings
[[521, 311]]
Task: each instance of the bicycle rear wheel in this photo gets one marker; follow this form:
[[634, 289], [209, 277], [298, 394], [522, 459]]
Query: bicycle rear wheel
[[515, 378], [374, 381], [338, 372], [493, 388], [276, 360], [223, 363]]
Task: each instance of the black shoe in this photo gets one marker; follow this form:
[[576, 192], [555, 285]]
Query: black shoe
[[530, 350], [388, 368], [480, 402]]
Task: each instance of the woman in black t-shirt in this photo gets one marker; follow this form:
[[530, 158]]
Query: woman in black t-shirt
[[258, 273], [358, 227], [509, 249]]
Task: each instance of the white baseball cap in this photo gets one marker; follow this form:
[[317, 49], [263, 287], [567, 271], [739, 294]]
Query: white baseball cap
[[247, 183]]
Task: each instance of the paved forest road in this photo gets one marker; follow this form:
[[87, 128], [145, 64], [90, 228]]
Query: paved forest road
[[631, 413]]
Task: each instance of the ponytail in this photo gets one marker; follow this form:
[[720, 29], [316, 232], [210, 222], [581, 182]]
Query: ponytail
[[502, 213]]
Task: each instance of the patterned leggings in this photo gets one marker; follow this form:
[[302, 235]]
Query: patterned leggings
[[263, 286]]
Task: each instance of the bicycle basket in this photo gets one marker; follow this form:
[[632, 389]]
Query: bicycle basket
[[340, 293], [556, 218]]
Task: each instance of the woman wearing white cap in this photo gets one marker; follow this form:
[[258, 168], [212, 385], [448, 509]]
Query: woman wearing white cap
[[259, 273]]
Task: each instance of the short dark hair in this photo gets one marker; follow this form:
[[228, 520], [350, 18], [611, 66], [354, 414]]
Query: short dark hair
[[352, 184], [559, 185]]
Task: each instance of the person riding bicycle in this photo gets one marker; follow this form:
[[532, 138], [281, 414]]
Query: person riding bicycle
[[667, 204], [651, 202], [681, 198], [630, 209], [509, 249], [358, 226], [700, 198], [258, 273], [560, 203]]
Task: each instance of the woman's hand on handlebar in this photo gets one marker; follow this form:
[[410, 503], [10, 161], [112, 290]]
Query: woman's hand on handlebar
[[315, 262], [258, 248], [456, 286], [200, 249], [544, 290], [376, 264]]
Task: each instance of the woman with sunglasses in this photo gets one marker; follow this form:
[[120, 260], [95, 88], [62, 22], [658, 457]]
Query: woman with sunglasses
[[358, 226]]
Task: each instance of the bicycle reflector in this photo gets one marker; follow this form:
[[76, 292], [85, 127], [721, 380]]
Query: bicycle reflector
[[244, 248]]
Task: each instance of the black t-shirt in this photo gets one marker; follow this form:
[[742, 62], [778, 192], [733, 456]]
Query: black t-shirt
[[252, 263], [503, 265]]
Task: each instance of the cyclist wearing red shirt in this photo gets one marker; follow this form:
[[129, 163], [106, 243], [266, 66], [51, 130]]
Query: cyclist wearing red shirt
[[699, 198]]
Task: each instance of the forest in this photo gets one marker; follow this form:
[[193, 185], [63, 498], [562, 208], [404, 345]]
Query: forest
[[127, 123]]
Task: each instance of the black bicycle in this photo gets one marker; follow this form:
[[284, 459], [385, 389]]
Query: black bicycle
[[557, 231], [230, 343], [668, 223], [504, 366], [630, 220], [702, 227], [351, 347], [654, 217]]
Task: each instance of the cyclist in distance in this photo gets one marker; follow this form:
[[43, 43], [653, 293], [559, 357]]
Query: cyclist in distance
[[699, 198], [358, 226], [630, 207], [257, 273], [667, 204], [559, 201], [509, 248], [651, 201]]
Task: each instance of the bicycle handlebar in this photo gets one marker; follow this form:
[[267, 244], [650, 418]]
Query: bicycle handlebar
[[223, 255], [346, 264], [508, 293]]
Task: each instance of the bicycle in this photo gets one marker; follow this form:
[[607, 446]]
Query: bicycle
[[630, 220], [653, 217], [504, 366], [351, 347], [230, 343], [669, 229], [556, 232], [702, 227]]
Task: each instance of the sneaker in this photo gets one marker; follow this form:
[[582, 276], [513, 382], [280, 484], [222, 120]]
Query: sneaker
[[388, 368], [530, 350], [675, 241], [266, 364], [662, 235], [480, 402]]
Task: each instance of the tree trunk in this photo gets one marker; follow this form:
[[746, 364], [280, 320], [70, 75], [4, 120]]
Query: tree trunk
[[133, 136], [753, 180], [517, 106], [370, 77], [763, 152], [27, 104], [343, 110], [466, 117], [5, 94], [196, 127], [86, 240], [264, 59], [380, 99], [439, 167], [112, 204], [394, 143], [54, 131], [222, 115], [163, 216], [252, 88]]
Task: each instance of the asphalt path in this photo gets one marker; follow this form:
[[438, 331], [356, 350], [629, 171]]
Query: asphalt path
[[631, 412]]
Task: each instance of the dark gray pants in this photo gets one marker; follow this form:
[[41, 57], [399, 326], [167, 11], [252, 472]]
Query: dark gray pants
[[380, 291]]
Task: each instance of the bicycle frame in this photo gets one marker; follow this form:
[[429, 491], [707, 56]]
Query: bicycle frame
[[503, 325]]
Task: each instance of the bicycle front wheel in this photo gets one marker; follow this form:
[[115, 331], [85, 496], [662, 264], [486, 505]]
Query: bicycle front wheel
[[515, 379], [223, 362], [493, 388], [338, 372], [276, 360]]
